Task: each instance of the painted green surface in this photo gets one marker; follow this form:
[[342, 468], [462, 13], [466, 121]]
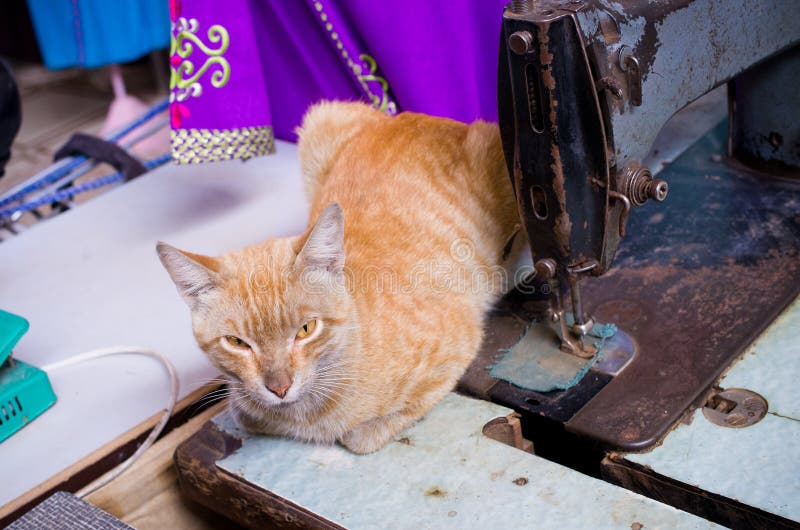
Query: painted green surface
[[25, 393], [757, 465], [12, 328], [443, 473]]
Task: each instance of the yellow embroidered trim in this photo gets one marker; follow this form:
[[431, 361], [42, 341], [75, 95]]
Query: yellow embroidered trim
[[382, 101], [194, 146]]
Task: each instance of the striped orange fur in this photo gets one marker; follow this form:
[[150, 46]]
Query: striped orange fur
[[409, 219]]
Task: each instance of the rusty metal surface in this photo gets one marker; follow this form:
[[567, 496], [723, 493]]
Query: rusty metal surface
[[505, 326], [735, 408], [759, 464], [685, 48], [694, 284], [508, 430], [552, 130]]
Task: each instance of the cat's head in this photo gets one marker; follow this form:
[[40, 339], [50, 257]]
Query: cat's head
[[274, 316]]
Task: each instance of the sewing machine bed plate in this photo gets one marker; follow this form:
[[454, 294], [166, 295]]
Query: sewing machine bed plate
[[744, 477], [441, 473], [695, 282]]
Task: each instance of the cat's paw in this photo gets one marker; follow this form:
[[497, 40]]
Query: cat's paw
[[361, 443], [367, 437], [371, 435]]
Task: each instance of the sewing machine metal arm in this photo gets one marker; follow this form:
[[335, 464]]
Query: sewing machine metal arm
[[583, 89]]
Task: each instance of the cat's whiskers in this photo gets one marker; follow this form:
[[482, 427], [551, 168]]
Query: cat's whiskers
[[219, 394], [331, 387], [340, 388], [340, 385], [208, 380], [242, 401], [343, 378], [335, 364], [327, 395], [315, 393], [212, 397]]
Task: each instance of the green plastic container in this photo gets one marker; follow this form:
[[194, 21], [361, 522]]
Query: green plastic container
[[12, 328], [25, 391]]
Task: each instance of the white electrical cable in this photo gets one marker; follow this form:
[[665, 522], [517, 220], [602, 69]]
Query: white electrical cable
[[173, 398]]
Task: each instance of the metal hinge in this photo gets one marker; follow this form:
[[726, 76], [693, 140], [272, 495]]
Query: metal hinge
[[630, 65]]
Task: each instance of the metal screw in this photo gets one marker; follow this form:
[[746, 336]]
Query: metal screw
[[657, 189], [520, 42], [520, 7], [610, 84]]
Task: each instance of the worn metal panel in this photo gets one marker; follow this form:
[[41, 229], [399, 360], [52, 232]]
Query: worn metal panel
[[685, 49], [551, 120], [766, 106], [685, 128], [758, 465], [443, 473], [694, 284]]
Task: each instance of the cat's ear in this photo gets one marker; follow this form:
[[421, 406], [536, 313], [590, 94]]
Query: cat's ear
[[324, 248], [193, 274]]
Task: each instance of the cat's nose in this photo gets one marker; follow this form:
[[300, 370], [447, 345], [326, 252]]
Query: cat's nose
[[278, 383], [279, 391]]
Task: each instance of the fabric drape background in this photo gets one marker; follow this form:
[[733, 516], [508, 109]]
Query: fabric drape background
[[245, 71]]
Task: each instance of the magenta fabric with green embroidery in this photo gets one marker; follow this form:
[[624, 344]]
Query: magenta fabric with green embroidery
[[245, 70]]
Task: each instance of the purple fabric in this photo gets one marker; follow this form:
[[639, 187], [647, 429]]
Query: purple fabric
[[350, 49], [241, 101], [300, 65], [439, 58]]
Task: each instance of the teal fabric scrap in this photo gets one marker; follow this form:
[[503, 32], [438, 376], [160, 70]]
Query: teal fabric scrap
[[536, 363]]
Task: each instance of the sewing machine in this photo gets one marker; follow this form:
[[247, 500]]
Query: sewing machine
[[690, 280], [583, 90]]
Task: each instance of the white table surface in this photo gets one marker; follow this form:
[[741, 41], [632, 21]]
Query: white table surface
[[90, 278]]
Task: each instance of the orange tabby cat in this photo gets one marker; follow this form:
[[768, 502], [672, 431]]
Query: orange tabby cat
[[355, 329]]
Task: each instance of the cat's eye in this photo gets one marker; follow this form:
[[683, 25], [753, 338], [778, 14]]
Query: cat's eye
[[236, 341], [306, 329]]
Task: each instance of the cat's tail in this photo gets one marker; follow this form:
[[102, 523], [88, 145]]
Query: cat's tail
[[326, 127]]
